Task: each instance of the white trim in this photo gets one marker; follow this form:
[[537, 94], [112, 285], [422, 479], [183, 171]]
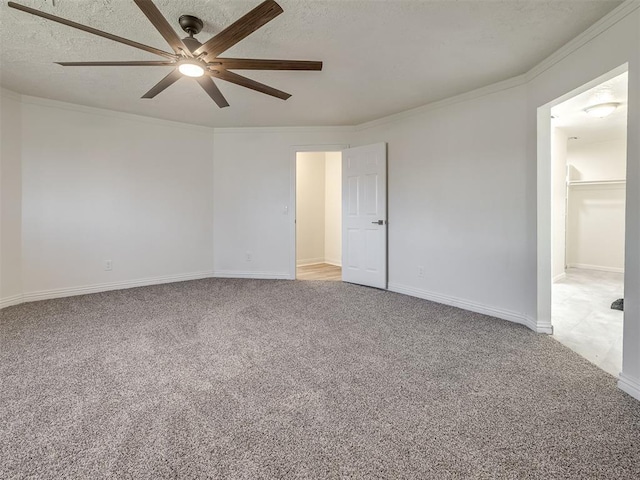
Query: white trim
[[470, 306], [318, 261], [307, 129], [629, 385], [105, 287], [45, 102], [10, 301], [463, 97], [310, 261], [251, 275], [560, 276], [599, 184], [539, 326], [10, 94], [585, 37], [333, 147], [596, 267]]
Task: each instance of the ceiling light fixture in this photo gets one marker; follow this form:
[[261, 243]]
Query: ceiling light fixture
[[191, 68], [602, 109]]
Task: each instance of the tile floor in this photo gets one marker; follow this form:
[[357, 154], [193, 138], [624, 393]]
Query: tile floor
[[582, 317]]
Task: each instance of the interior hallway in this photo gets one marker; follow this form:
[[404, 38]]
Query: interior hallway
[[582, 317]]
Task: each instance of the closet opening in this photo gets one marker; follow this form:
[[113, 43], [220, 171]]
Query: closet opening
[[318, 221], [588, 202]]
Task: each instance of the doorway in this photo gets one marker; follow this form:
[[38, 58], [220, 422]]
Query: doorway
[[318, 216], [588, 131]]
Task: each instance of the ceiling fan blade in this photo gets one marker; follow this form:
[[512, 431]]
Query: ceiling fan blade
[[161, 24], [117, 64], [164, 83], [241, 28], [248, 83], [214, 92], [259, 64], [95, 31]]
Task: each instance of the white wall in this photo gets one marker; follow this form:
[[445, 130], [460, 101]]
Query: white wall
[[457, 202], [595, 236], [310, 208], [595, 229], [10, 199], [254, 196], [333, 209], [103, 186], [596, 161], [558, 201]]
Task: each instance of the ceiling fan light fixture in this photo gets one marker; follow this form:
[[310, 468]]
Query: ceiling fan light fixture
[[191, 68], [602, 109], [192, 58]]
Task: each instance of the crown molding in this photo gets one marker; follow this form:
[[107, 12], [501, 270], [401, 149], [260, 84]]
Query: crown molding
[[463, 97], [10, 94], [45, 102], [296, 130], [589, 34]]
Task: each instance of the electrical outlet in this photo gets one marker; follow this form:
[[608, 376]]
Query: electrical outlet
[[248, 256], [421, 272], [108, 265]]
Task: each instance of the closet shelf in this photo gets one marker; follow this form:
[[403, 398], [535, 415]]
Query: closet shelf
[[597, 182]]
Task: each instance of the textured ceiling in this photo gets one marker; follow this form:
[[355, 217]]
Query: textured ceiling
[[572, 119], [380, 57]]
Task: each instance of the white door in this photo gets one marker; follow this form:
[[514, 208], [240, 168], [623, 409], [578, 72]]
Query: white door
[[364, 215]]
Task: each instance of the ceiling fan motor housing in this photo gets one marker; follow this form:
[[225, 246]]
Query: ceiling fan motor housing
[[190, 24], [191, 43]]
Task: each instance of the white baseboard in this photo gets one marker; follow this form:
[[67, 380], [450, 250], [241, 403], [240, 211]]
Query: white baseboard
[[540, 327], [105, 287], [596, 267], [252, 275], [315, 261], [309, 261], [559, 277], [629, 385], [471, 306], [10, 301]]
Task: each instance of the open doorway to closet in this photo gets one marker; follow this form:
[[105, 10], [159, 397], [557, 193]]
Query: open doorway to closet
[[319, 216], [588, 172]]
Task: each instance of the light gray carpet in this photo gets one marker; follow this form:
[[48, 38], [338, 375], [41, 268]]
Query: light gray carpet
[[278, 379]]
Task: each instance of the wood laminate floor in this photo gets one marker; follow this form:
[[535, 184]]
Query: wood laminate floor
[[319, 271]]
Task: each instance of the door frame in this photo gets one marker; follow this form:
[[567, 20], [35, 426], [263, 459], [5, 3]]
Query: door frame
[[295, 149], [544, 205]]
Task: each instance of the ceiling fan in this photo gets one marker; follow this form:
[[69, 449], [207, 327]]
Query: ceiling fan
[[192, 58]]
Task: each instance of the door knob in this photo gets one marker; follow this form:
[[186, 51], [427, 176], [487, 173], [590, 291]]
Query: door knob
[[379, 222]]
